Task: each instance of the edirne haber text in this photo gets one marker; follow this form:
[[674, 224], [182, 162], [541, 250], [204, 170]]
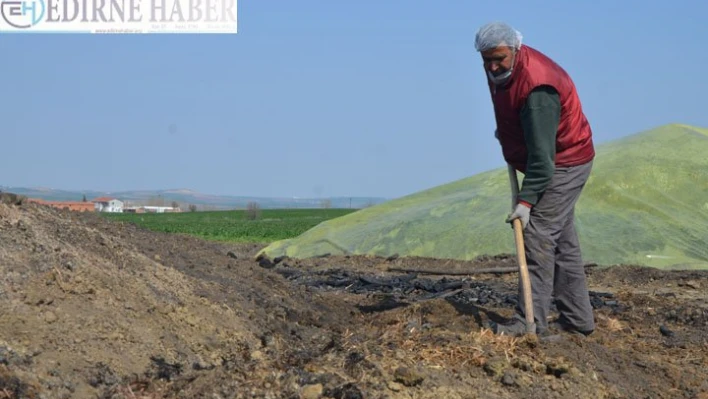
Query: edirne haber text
[[127, 11]]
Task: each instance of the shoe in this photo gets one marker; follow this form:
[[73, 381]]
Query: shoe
[[515, 328], [548, 337], [566, 328]]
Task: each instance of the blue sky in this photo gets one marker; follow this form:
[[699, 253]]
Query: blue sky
[[327, 98]]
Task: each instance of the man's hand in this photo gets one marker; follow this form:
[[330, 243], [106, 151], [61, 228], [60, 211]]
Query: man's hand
[[523, 212]]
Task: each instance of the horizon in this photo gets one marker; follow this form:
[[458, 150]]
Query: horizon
[[182, 192], [188, 191], [320, 99]]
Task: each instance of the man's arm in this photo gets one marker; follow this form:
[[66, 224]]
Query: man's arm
[[539, 118]]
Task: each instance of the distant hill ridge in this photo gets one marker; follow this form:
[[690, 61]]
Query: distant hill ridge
[[184, 197]]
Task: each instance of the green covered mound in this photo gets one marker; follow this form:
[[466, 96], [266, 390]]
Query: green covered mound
[[646, 203]]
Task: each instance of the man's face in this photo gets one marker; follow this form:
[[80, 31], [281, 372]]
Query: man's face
[[498, 60]]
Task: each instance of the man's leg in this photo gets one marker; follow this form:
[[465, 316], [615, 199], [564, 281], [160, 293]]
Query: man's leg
[[539, 242], [571, 291], [549, 218]]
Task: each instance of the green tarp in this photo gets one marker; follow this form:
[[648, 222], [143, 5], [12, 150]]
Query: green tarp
[[646, 203]]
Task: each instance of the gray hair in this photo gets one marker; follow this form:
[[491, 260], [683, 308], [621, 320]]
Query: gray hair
[[497, 34]]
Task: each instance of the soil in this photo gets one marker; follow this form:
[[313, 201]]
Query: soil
[[91, 308]]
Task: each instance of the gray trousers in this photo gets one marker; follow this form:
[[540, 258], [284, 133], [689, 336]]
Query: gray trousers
[[556, 267]]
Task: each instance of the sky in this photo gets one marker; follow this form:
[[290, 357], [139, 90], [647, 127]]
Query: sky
[[327, 98]]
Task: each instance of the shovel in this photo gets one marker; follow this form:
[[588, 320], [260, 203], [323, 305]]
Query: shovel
[[521, 256]]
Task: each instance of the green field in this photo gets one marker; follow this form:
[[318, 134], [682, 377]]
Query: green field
[[271, 225]]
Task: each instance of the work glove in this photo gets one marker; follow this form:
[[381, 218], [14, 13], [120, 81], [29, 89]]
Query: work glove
[[523, 212]]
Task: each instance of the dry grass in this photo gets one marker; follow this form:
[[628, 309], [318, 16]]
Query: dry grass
[[439, 354], [14, 386], [610, 324], [138, 389], [12, 199], [408, 343]]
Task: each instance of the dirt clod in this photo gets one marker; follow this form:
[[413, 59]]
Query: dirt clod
[[311, 391], [394, 386], [346, 391], [558, 367], [408, 376], [509, 378], [665, 331], [495, 367]]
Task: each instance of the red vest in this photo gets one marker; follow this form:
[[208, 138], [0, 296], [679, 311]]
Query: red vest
[[532, 68]]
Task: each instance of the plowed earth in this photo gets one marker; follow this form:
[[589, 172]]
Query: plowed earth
[[95, 309]]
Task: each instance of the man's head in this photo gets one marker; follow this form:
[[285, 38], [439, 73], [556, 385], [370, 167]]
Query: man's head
[[498, 43]]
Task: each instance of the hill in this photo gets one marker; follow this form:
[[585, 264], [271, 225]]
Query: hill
[[645, 203]]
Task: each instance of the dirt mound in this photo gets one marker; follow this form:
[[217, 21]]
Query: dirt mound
[[88, 303], [96, 309]]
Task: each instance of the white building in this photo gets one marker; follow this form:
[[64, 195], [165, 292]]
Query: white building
[[108, 204], [159, 209], [150, 209]]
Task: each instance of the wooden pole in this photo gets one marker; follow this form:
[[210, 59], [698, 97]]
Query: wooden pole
[[524, 279]]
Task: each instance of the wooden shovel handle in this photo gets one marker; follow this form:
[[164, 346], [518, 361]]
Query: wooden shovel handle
[[524, 274]]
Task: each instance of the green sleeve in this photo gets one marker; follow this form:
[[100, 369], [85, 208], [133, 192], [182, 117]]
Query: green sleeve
[[539, 118]]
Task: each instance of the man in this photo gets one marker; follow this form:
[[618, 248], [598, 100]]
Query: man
[[545, 135]]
